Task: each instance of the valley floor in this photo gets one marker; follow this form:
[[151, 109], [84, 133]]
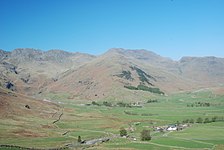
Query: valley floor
[[103, 120]]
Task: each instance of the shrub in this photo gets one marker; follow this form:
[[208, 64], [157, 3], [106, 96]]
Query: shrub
[[152, 101], [214, 118], [145, 135], [108, 104], [79, 139], [95, 103], [187, 121], [206, 120], [123, 132], [199, 120], [130, 87], [122, 104], [191, 121]]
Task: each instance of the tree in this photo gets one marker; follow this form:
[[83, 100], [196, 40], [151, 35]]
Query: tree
[[214, 118], [206, 120], [79, 139], [199, 120], [191, 121], [95, 103], [123, 132], [145, 135], [108, 104], [186, 121]]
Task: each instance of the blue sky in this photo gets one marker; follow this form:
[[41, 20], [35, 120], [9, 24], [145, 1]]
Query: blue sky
[[171, 28]]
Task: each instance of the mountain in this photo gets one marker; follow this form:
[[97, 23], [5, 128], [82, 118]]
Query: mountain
[[118, 74], [28, 71], [206, 71]]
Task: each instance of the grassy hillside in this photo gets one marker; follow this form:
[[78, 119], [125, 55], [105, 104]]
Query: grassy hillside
[[96, 121]]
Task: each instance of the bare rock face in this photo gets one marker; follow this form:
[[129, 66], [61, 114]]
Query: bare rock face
[[58, 56], [3, 55], [25, 55]]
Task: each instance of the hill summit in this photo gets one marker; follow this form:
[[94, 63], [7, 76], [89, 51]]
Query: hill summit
[[117, 74]]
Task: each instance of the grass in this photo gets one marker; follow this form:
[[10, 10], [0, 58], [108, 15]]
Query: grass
[[207, 131], [136, 145], [91, 122], [182, 143]]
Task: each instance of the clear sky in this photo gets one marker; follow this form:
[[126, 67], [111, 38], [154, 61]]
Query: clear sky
[[171, 28]]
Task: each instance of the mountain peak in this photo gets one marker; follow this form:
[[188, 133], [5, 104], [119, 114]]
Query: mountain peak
[[22, 51], [116, 50]]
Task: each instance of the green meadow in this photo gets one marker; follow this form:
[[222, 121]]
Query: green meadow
[[94, 122]]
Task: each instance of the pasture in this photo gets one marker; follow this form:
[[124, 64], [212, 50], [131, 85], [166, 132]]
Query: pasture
[[92, 122]]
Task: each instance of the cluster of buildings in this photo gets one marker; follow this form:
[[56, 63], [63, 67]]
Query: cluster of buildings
[[172, 127]]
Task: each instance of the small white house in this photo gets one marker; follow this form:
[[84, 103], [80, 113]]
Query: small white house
[[172, 128]]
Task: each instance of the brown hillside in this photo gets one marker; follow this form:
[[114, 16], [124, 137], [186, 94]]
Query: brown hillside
[[30, 70], [108, 76], [104, 77], [14, 106]]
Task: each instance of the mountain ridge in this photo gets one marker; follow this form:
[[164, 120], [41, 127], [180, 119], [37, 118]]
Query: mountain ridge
[[85, 76]]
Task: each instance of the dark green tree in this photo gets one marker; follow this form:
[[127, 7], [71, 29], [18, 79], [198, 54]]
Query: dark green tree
[[95, 103], [123, 132], [186, 121], [191, 121], [79, 139], [145, 135], [108, 104], [206, 120], [199, 120], [214, 118]]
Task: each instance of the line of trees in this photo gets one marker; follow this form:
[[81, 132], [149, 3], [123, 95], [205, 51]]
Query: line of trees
[[152, 101], [199, 104], [118, 104], [201, 120], [145, 88]]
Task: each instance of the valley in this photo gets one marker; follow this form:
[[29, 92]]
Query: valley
[[60, 100], [91, 122]]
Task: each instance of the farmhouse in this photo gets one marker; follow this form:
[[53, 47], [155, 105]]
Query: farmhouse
[[160, 128], [171, 128]]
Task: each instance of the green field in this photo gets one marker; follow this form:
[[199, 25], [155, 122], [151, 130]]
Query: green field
[[92, 122]]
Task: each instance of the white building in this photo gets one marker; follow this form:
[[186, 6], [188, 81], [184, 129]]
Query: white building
[[172, 128]]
